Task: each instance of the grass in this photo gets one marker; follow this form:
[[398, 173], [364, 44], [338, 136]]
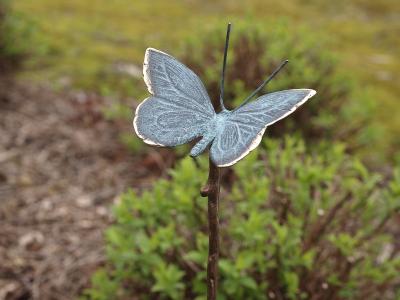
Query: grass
[[78, 43]]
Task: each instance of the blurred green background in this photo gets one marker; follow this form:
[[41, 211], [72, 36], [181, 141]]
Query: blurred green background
[[312, 214], [83, 44]]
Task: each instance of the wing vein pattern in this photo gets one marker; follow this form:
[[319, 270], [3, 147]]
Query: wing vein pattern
[[178, 110], [244, 127]]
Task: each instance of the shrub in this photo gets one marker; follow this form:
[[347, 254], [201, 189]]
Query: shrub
[[293, 226], [15, 31], [341, 110]]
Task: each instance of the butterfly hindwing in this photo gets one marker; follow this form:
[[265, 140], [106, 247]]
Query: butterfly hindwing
[[179, 108], [244, 127]]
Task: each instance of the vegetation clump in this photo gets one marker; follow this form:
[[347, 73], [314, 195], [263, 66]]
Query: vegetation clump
[[15, 31], [340, 110], [294, 226]]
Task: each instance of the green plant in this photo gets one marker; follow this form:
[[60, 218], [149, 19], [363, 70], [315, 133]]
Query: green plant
[[293, 226], [341, 110], [15, 31]]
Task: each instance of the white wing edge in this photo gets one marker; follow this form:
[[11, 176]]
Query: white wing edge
[[146, 140], [147, 80], [146, 66], [253, 145], [310, 94], [259, 136]]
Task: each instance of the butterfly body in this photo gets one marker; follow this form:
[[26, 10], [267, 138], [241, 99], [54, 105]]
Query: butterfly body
[[180, 111], [213, 129]]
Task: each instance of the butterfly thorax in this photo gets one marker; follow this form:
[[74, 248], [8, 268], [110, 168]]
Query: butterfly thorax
[[210, 131]]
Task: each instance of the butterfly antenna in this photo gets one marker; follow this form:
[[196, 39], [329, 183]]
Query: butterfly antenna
[[221, 96], [263, 84]]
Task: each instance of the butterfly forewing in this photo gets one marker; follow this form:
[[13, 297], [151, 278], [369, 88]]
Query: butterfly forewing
[[180, 107], [244, 127]]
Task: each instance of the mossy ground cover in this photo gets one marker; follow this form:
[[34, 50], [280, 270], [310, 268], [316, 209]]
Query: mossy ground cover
[[79, 43]]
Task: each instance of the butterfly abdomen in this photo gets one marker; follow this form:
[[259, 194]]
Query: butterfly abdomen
[[202, 145]]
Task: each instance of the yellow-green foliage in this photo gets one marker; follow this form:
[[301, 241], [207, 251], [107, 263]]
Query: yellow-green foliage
[[82, 40], [341, 109], [15, 33], [292, 225]]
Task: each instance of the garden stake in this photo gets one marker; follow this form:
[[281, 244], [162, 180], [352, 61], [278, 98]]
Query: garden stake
[[211, 190], [180, 111]]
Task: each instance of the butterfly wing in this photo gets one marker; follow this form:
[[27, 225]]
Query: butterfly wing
[[243, 128], [179, 107]]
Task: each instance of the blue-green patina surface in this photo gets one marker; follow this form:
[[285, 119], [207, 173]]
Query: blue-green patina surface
[[180, 110]]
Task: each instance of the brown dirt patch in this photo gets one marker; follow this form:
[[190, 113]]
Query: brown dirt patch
[[61, 167]]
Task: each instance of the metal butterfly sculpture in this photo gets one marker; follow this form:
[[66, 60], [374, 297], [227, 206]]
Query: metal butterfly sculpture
[[180, 111]]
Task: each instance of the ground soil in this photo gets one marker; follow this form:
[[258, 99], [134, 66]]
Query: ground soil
[[61, 168]]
